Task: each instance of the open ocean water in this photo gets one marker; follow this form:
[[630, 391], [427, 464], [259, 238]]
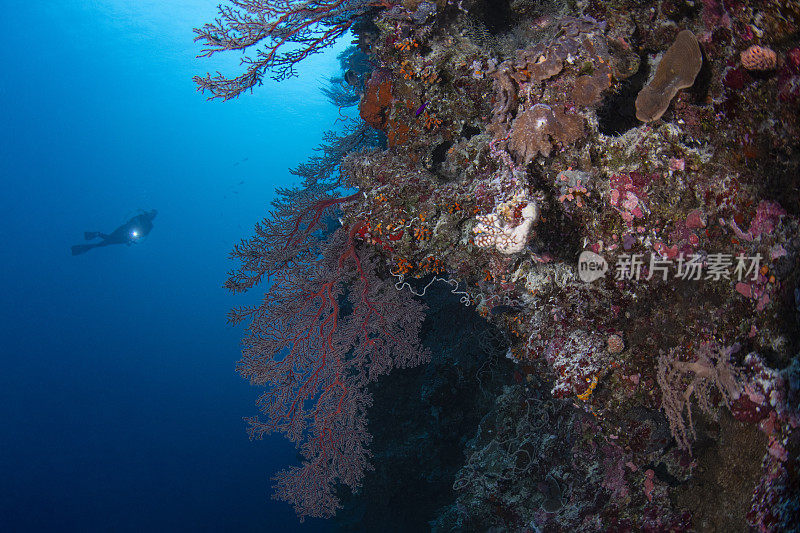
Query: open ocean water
[[120, 408]]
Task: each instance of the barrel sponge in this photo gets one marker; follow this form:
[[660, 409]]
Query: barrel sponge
[[676, 70]]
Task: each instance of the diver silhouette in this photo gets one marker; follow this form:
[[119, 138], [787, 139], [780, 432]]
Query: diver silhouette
[[129, 233]]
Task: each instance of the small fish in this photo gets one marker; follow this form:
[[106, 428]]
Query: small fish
[[421, 109]]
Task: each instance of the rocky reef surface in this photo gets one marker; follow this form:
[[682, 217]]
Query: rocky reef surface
[[597, 203], [654, 384]]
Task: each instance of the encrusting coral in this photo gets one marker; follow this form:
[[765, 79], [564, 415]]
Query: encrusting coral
[[495, 230], [540, 128], [589, 88]]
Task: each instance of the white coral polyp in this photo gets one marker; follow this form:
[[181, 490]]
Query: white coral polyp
[[489, 231]]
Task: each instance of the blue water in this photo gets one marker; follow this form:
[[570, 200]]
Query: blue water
[[120, 406]]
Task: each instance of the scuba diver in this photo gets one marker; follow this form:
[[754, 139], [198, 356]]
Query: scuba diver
[[129, 233]]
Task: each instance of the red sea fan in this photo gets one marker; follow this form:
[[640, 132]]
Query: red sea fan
[[328, 326]]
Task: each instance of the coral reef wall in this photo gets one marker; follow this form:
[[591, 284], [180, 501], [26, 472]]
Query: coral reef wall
[[614, 185]]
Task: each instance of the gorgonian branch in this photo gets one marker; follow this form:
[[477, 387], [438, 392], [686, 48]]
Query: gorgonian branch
[[287, 32]]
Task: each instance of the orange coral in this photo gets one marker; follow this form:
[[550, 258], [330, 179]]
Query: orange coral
[[431, 121], [406, 45], [432, 265], [759, 58], [402, 268], [422, 233]]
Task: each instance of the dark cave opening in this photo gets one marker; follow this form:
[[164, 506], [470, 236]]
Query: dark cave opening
[[618, 112], [496, 15], [422, 418]]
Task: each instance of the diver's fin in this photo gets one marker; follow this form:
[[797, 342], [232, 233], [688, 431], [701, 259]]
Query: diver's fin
[[81, 248], [89, 235]]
